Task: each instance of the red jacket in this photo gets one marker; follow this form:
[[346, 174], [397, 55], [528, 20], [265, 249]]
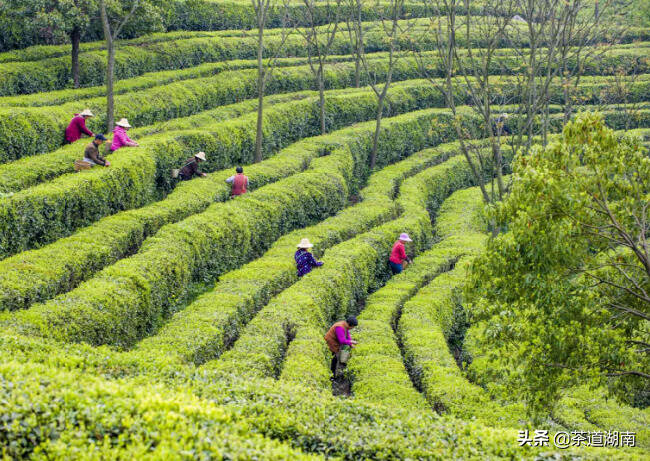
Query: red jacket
[[75, 128], [398, 255], [239, 184]]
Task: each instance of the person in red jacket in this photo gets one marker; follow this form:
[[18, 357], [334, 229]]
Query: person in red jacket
[[239, 183], [398, 255], [77, 126]]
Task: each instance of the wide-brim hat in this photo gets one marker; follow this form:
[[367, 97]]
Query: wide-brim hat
[[200, 156], [86, 113], [405, 237], [124, 123], [305, 243]]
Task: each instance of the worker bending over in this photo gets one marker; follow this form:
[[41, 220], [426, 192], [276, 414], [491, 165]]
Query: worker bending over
[[120, 138], [77, 126], [337, 336], [191, 167], [305, 261], [398, 257]]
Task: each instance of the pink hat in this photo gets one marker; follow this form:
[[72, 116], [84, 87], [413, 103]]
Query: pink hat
[[405, 237]]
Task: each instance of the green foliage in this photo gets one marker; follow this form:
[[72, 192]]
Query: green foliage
[[37, 71], [82, 414], [33, 130], [573, 217], [176, 255], [226, 143], [640, 11], [200, 332], [376, 368], [20, 29], [30, 22], [102, 417]]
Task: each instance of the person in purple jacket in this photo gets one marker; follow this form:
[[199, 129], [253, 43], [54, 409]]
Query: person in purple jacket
[[339, 335], [305, 261]]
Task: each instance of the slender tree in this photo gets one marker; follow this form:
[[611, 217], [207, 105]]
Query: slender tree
[[548, 40], [319, 41], [265, 69], [468, 74], [589, 36], [393, 29], [355, 35], [554, 38], [111, 35]]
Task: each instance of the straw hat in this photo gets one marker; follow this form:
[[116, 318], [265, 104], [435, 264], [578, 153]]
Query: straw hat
[[200, 156], [304, 243], [124, 123], [87, 113], [405, 237]]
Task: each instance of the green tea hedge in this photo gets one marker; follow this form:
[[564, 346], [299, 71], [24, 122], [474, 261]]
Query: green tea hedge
[[198, 248], [47, 74], [66, 414], [233, 139], [35, 169], [33, 130], [424, 326], [29, 131], [55, 415], [207, 327], [293, 323], [68, 206], [420, 197], [376, 368], [617, 59]]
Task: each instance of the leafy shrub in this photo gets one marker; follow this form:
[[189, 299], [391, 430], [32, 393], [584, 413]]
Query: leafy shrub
[[201, 332], [199, 249], [226, 143]]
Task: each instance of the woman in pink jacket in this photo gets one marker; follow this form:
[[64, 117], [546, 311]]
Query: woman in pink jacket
[[120, 138]]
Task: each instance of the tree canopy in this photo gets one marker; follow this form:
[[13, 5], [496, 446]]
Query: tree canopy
[[564, 291]]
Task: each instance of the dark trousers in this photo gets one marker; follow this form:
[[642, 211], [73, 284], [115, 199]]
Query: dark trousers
[[333, 364], [396, 268]]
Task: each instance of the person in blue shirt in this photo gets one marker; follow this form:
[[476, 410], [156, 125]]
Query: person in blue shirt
[[305, 261]]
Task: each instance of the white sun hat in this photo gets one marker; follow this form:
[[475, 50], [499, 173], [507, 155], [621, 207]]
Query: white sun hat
[[200, 156], [305, 243], [124, 123], [405, 237], [87, 113]]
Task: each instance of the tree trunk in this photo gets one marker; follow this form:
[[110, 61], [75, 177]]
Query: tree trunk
[[375, 139], [360, 48], [110, 98], [321, 102], [260, 93], [110, 68], [498, 164], [75, 38], [357, 71]]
